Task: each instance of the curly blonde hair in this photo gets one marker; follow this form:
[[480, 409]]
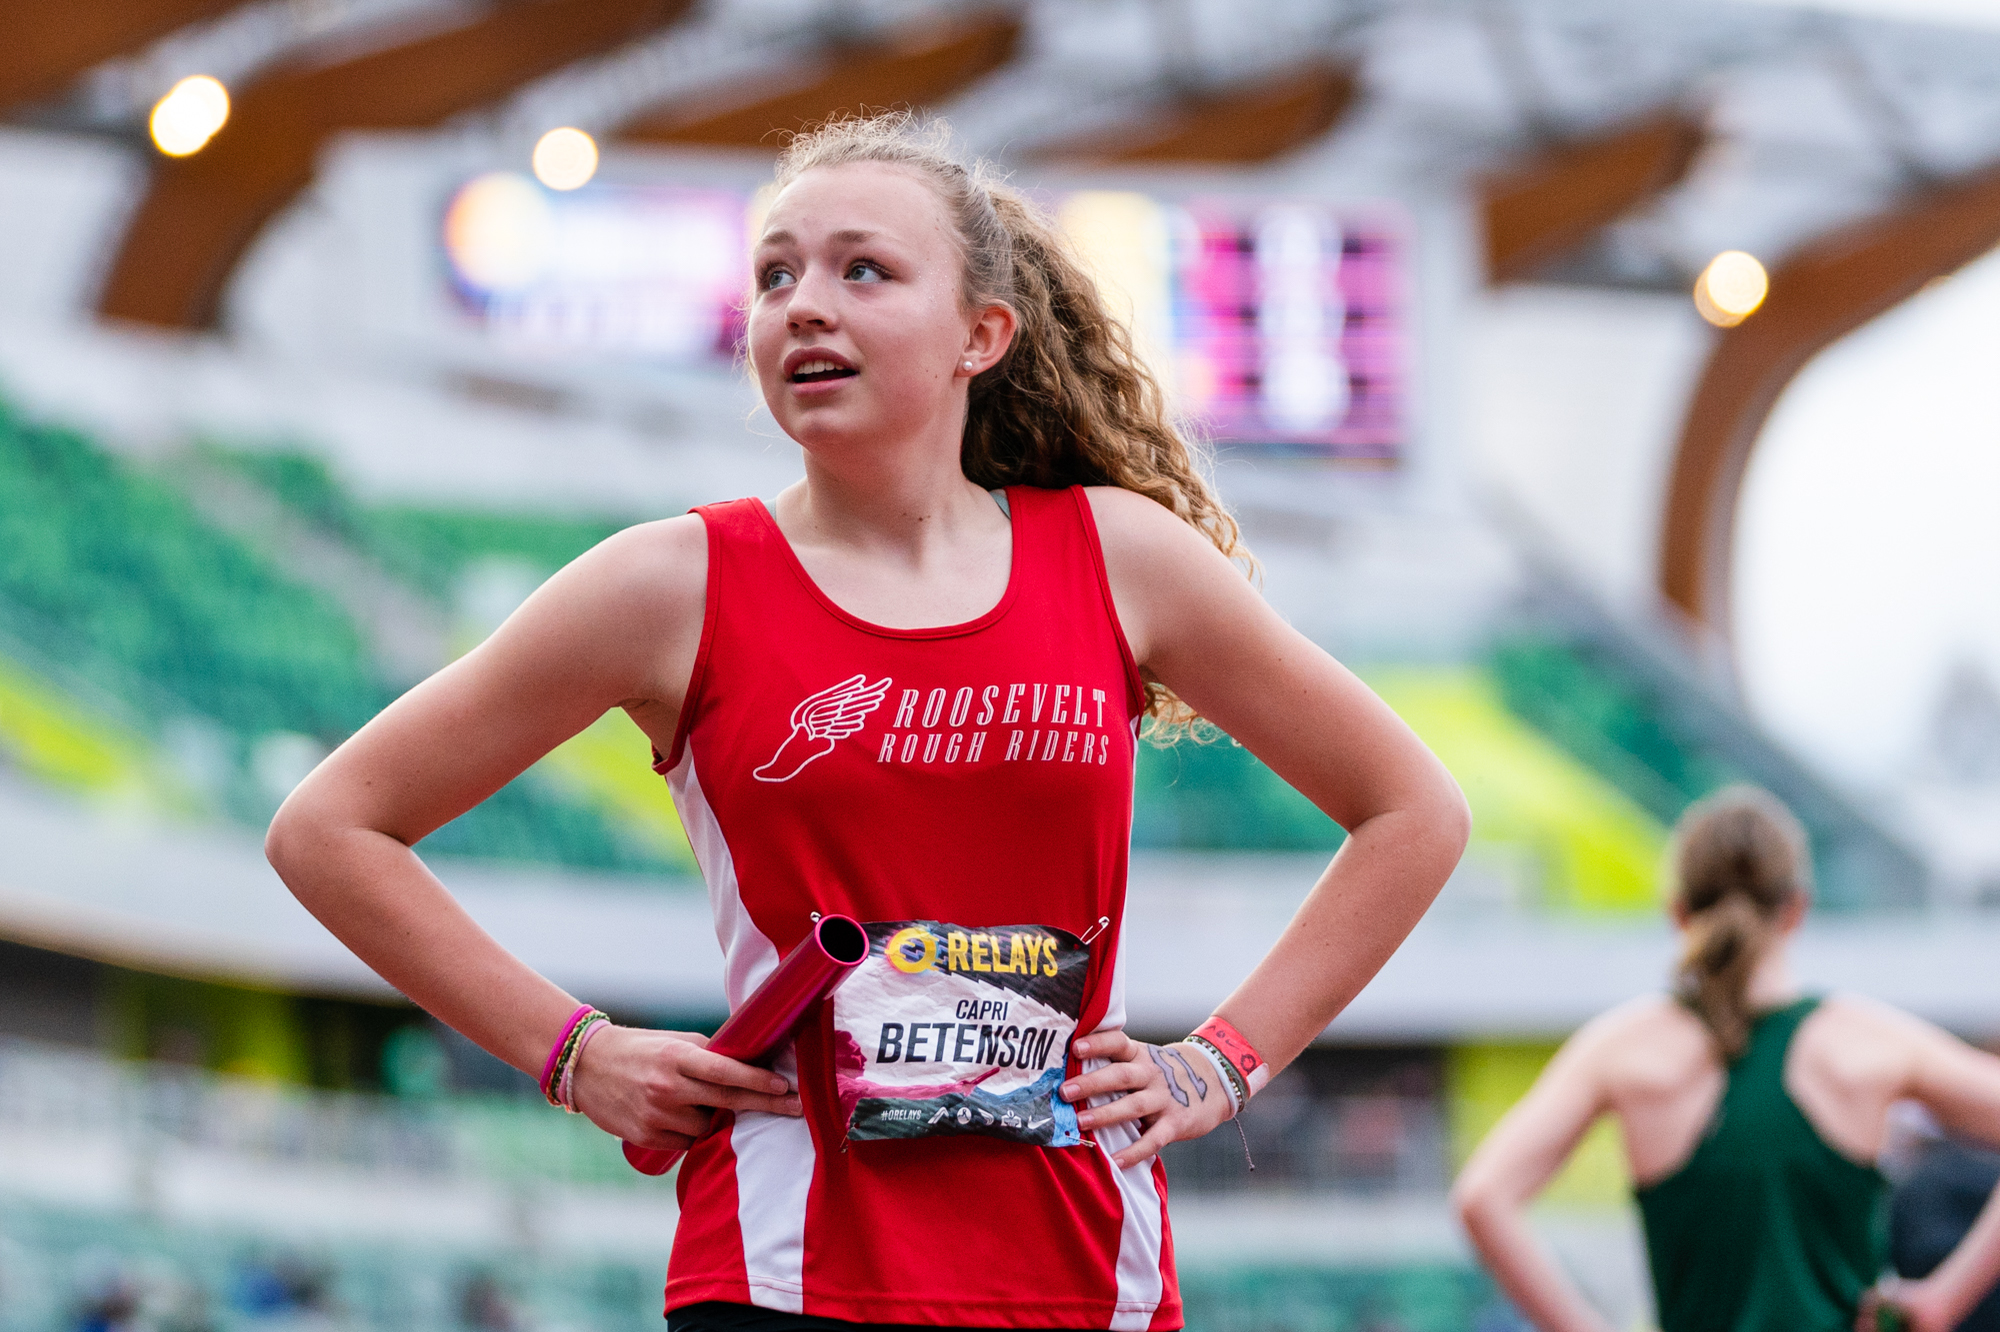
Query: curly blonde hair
[[1070, 403]]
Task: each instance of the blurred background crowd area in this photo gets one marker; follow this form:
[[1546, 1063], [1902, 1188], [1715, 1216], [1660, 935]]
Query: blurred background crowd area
[[1610, 385]]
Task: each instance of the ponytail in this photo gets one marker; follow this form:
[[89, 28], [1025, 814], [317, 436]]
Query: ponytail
[[1071, 403], [1739, 859]]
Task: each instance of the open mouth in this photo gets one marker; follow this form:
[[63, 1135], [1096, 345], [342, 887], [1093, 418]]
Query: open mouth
[[819, 372]]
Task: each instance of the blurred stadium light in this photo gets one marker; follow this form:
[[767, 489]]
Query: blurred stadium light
[[565, 159], [201, 214], [189, 115], [1731, 288]]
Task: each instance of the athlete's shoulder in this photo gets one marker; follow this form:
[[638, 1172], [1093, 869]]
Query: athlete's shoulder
[[1145, 535], [657, 562], [1131, 513], [1858, 1032], [1854, 1050], [1653, 1035], [625, 598], [1865, 1015], [611, 620]]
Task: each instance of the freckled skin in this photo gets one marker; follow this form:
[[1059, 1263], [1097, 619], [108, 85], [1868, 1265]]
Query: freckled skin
[[872, 275]]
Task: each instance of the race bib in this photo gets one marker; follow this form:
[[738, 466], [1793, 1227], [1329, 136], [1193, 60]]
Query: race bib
[[949, 1030]]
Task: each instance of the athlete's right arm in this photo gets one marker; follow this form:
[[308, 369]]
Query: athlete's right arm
[[620, 626], [1515, 1163], [1960, 1086]]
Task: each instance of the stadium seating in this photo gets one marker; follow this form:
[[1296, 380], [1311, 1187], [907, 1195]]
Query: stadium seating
[[126, 612], [111, 569], [1638, 719], [128, 1184], [427, 548], [57, 1265], [62, 1268], [125, 615], [1414, 1298]]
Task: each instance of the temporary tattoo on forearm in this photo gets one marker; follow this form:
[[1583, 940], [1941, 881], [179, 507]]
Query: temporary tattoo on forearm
[[1200, 1083], [1173, 1084]]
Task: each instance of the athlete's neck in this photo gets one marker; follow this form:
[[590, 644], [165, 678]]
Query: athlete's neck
[[1772, 984], [892, 515]]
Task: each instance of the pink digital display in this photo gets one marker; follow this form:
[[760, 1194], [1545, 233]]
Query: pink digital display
[[1287, 329]]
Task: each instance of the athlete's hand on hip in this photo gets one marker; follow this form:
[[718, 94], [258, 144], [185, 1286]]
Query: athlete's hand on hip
[[1894, 1304], [660, 1088], [1171, 1092]]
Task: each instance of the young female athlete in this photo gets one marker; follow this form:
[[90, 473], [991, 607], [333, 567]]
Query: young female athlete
[[908, 692], [1752, 1118]]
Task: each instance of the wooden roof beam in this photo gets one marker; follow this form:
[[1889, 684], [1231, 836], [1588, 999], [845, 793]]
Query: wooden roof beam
[[1546, 206], [47, 44], [201, 213], [921, 68], [1254, 123], [1818, 295]]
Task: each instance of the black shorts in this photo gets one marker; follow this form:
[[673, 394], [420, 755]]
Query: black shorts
[[716, 1316]]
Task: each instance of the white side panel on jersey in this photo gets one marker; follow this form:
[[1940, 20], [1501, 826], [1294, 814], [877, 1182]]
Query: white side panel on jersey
[[747, 956], [774, 1170], [1143, 1230], [1114, 1004], [774, 1153]]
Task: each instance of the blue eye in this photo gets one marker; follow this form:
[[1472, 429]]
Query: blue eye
[[773, 278], [865, 272]]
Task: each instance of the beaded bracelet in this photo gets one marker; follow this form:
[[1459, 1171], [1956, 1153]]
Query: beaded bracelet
[[566, 1081], [561, 1052], [546, 1081], [1225, 1073], [566, 1059]]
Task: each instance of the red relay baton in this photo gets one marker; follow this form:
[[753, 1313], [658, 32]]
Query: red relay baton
[[775, 1011]]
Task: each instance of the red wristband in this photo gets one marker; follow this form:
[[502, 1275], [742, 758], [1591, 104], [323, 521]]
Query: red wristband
[[1222, 1034]]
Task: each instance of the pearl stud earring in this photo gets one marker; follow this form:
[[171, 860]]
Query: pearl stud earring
[[968, 365]]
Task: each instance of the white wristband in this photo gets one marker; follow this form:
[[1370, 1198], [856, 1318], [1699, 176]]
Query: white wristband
[[1221, 1075]]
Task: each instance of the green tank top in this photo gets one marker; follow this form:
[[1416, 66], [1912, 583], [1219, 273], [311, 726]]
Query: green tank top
[[1766, 1228]]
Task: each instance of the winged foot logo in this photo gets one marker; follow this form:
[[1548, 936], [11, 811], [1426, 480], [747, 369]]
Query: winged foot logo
[[822, 720]]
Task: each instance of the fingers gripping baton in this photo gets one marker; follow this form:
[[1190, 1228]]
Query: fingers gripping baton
[[756, 1032]]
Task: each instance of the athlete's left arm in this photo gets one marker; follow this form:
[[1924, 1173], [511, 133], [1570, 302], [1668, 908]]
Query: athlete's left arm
[[1960, 1086], [1196, 624]]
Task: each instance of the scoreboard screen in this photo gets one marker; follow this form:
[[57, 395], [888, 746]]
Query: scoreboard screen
[[1273, 324], [652, 273]]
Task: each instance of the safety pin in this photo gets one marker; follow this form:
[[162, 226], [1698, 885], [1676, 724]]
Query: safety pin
[[1103, 924]]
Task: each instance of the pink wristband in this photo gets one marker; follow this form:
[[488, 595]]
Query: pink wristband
[[1222, 1034], [566, 1093], [555, 1051]]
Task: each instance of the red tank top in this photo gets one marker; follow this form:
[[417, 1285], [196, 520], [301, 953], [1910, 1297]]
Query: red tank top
[[966, 792]]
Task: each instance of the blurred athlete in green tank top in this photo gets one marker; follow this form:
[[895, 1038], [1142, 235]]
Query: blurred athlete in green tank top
[[1752, 1116]]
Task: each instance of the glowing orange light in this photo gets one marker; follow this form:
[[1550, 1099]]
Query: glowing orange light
[[189, 115], [1731, 288], [565, 158], [499, 231]]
